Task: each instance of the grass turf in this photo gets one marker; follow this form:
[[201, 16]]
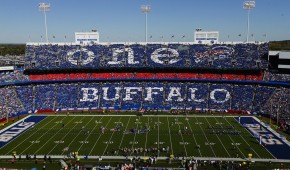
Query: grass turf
[[83, 134]]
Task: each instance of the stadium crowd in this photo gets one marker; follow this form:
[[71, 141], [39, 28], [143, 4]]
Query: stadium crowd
[[145, 95], [136, 95], [274, 76], [239, 56], [13, 76]]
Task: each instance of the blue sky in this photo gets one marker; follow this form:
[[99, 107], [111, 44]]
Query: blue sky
[[122, 20]]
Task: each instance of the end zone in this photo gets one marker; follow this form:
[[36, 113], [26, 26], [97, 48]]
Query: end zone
[[270, 140], [13, 131]]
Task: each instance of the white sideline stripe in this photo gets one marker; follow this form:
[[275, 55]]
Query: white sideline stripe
[[160, 158]]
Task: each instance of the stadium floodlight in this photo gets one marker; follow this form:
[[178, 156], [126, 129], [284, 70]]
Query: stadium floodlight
[[249, 5], [145, 9], [265, 36], [44, 7]]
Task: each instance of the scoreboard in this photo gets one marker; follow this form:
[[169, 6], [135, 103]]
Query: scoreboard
[[86, 38], [206, 37]]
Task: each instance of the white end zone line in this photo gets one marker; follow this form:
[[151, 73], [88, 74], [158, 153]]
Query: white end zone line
[[272, 131], [256, 139]]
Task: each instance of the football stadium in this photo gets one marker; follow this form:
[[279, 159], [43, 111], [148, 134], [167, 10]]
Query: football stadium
[[202, 104]]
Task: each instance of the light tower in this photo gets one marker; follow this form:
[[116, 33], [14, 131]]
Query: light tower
[[44, 7], [145, 9], [249, 5]]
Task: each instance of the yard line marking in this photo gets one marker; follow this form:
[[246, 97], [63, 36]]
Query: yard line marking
[[193, 137], [146, 135], [99, 137], [78, 133], [39, 138], [134, 139], [123, 135], [64, 137], [219, 140], [231, 139], [206, 138], [29, 136], [90, 133], [182, 139], [170, 136], [55, 135], [158, 136], [61, 138], [244, 139], [110, 138]]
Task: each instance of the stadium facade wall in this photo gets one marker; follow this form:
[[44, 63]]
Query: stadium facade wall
[[217, 56], [128, 95]]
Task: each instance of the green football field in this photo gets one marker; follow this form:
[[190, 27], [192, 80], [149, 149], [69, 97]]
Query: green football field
[[115, 136]]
